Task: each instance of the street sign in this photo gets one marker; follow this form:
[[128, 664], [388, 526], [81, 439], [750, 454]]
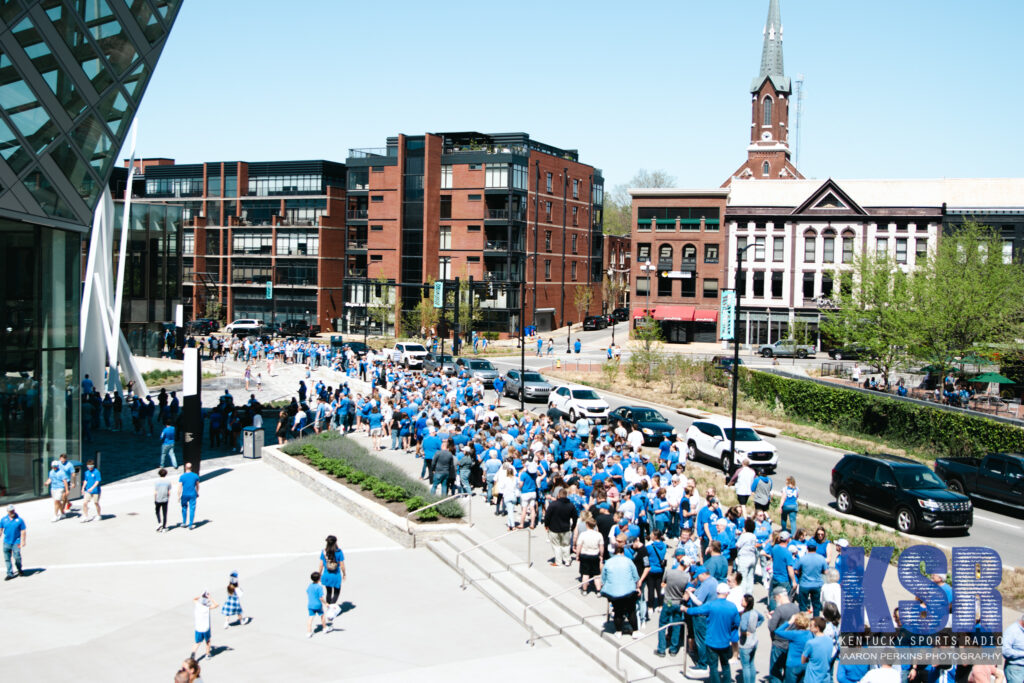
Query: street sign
[[270, 289], [727, 314], [677, 274], [439, 294]]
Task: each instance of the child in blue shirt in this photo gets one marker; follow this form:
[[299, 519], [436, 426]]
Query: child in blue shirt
[[315, 602]]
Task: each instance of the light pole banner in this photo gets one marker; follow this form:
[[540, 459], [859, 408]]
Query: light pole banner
[[727, 314]]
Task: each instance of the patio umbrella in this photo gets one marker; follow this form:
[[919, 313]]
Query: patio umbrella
[[973, 359], [992, 378]]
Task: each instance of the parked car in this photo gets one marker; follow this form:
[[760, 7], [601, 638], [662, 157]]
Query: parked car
[[479, 368], [358, 347], [848, 353], [297, 328], [532, 386], [409, 354], [244, 327], [900, 489], [621, 314], [711, 439], [202, 326], [441, 363], [610, 319], [786, 348], [595, 322], [998, 477], [649, 421], [576, 401]]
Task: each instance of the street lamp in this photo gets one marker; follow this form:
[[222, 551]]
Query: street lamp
[[611, 274], [736, 355], [648, 268]]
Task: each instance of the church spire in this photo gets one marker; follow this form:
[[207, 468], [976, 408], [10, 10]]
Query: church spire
[[771, 52]]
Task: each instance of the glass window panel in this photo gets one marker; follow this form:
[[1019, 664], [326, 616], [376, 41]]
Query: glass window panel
[[76, 171], [78, 42], [110, 36], [42, 189], [148, 20], [136, 81], [95, 144], [42, 59], [11, 150], [116, 111]]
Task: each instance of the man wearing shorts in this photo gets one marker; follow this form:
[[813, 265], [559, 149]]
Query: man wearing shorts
[[528, 494], [58, 484], [203, 605], [91, 491], [69, 474]]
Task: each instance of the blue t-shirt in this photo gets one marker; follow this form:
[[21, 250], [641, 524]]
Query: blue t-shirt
[[797, 638], [189, 480], [818, 651], [656, 553], [314, 595], [431, 445], [782, 559], [723, 618], [167, 436], [812, 568], [58, 480], [375, 419], [12, 529], [92, 480], [529, 482]]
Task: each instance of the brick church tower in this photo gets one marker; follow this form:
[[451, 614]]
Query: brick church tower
[[768, 156]]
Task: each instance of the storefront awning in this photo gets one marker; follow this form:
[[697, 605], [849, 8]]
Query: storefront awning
[[704, 315], [674, 313], [642, 312]]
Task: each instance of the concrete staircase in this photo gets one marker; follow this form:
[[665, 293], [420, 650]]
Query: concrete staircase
[[505, 579]]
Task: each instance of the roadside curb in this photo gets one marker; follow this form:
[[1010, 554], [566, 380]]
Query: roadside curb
[[377, 516]]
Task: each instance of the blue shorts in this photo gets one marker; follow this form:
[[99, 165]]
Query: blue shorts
[[202, 636], [314, 612]]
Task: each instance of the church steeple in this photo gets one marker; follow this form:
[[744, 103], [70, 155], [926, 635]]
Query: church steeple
[[768, 155], [771, 52]]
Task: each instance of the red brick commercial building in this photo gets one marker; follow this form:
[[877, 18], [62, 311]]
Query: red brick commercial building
[[618, 263], [501, 209], [678, 267]]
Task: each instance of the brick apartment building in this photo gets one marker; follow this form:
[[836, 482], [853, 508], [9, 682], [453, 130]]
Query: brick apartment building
[[247, 224], [500, 209], [618, 263], [678, 266]]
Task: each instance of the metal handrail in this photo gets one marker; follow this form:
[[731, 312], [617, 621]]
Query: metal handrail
[[458, 555], [618, 652], [526, 610], [408, 517]]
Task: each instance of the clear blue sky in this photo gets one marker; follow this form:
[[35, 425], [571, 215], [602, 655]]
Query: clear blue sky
[[905, 88]]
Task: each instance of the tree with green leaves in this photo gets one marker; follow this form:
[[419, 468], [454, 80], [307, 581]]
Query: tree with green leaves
[[581, 299], [424, 316], [646, 353], [873, 309], [382, 308], [968, 297], [618, 204], [614, 286]]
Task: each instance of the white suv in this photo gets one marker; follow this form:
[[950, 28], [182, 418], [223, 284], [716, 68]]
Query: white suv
[[245, 326], [577, 401], [710, 439], [408, 354]]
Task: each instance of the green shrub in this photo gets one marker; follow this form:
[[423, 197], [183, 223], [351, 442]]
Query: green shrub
[[428, 515], [344, 458], [907, 424]]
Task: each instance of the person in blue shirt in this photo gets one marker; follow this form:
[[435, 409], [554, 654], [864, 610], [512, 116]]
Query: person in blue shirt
[[15, 535], [188, 492], [817, 653], [723, 618], [91, 490], [577, 346], [167, 437], [499, 390], [315, 602], [797, 633], [782, 567], [656, 554], [811, 568], [431, 444], [58, 483], [1013, 651]]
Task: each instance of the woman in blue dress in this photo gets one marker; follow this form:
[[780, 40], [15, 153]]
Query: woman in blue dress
[[332, 571]]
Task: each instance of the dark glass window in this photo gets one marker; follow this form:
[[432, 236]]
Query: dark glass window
[[776, 284]]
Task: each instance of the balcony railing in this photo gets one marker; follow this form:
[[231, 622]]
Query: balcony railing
[[355, 244], [505, 214], [355, 272], [366, 152], [356, 213]]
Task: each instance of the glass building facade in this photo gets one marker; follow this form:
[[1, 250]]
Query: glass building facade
[[72, 75]]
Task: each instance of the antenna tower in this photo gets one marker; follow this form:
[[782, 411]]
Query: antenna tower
[[799, 118]]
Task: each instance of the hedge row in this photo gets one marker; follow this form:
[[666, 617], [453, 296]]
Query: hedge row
[[904, 423], [345, 459]]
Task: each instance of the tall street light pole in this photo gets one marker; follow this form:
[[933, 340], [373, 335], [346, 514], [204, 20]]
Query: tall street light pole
[[648, 268], [736, 357]]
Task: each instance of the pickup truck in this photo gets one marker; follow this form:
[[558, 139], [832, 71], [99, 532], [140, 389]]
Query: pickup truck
[[786, 348], [998, 477]]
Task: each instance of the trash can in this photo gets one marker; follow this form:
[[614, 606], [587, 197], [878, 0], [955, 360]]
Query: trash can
[[252, 442]]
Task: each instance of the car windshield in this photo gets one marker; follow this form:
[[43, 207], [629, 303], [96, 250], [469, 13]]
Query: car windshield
[[647, 415], [415, 348], [918, 478], [443, 359], [532, 377], [585, 394], [742, 434], [481, 365]]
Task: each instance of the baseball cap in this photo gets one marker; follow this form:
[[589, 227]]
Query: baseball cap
[[843, 543], [780, 590], [54, 464], [699, 569], [721, 521], [723, 589], [10, 508], [784, 535], [680, 551]]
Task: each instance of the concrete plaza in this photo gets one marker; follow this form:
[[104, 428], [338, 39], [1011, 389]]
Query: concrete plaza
[[112, 599]]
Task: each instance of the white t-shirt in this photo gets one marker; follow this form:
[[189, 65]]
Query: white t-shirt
[[832, 592], [590, 542], [744, 479], [636, 439], [202, 615]]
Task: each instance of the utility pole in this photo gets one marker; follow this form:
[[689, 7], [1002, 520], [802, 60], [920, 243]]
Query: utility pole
[[736, 359], [522, 342], [455, 332]]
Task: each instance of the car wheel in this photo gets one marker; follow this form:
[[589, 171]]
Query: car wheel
[[956, 485], [905, 520], [800, 353], [691, 451], [844, 503], [727, 462], [572, 414], [837, 356], [767, 353]]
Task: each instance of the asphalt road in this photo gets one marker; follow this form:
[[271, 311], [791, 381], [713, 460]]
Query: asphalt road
[[811, 466]]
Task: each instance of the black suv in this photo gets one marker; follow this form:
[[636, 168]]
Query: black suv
[[595, 322], [621, 314], [901, 489]]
